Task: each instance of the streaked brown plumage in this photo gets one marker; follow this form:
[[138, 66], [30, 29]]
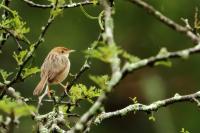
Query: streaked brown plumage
[[54, 69]]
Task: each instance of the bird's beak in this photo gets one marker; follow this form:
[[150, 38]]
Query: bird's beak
[[72, 51]]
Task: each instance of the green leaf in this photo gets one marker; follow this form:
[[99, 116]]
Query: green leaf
[[30, 71], [19, 57], [95, 2], [16, 25], [86, 14], [152, 118], [24, 110], [104, 52], [184, 131], [101, 81], [196, 20], [134, 100], [18, 108], [1, 118], [5, 74], [63, 108], [163, 52], [166, 63], [57, 10], [80, 92], [129, 57]]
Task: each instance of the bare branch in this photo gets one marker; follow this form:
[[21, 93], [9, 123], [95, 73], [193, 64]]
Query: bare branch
[[185, 53], [41, 97], [71, 5], [15, 95], [148, 108], [165, 20], [33, 4], [28, 100]]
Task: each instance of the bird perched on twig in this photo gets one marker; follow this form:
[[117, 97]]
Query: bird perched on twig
[[54, 69]]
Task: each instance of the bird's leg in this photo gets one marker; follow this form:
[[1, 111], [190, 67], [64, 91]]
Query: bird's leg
[[64, 87], [49, 92]]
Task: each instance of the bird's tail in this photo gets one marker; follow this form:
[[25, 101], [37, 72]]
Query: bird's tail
[[40, 86]]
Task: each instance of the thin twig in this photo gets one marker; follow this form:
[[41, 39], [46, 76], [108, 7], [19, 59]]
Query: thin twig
[[78, 4], [165, 20], [71, 5], [18, 44], [33, 4], [40, 98], [48, 101]]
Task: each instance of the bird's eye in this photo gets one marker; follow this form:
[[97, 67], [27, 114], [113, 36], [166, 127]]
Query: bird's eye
[[62, 51]]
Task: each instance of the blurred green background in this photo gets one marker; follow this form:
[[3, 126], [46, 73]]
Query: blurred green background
[[138, 33]]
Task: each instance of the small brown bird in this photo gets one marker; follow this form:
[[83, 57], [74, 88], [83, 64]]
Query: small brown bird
[[54, 69]]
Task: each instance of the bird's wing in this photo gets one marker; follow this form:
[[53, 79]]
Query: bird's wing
[[53, 66], [53, 73]]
